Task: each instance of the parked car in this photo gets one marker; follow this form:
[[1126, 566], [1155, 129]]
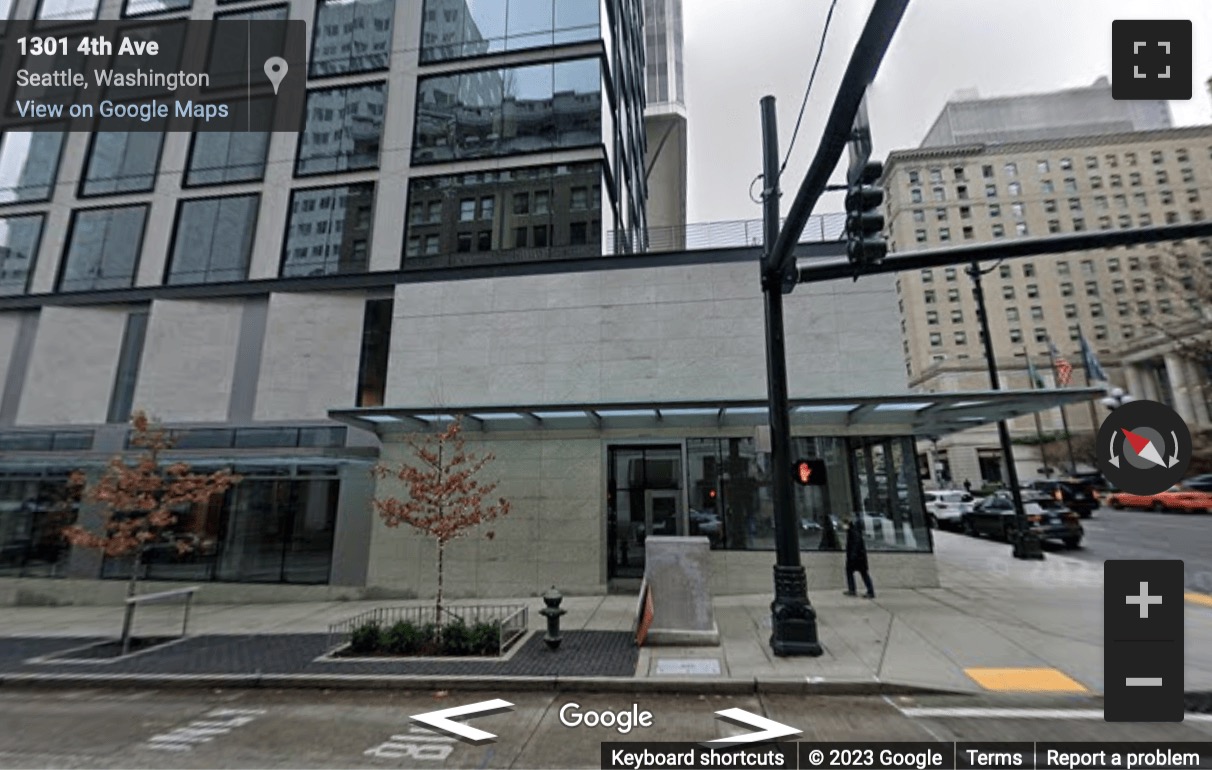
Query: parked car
[[1047, 517], [945, 507], [1080, 496], [707, 524], [1200, 483], [1176, 498]]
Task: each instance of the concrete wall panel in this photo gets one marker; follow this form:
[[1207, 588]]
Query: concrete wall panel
[[71, 373]]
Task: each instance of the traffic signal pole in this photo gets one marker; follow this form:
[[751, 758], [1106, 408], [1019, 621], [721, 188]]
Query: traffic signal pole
[[793, 620]]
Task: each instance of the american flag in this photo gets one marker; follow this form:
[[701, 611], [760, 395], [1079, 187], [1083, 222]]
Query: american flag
[[1064, 369]]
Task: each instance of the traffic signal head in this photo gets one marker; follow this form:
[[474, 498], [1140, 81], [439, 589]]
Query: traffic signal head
[[865, 244]]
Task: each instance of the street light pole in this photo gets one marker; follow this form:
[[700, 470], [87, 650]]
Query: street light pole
[[1026, 546], [793, 620]]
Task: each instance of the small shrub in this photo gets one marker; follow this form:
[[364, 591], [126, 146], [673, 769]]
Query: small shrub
[[366, 638], [456, 639], [485, 638], [405, 638]]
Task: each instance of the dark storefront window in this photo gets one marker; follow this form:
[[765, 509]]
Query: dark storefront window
[[275, 526], [19, 239], [34, 509], [351, 36], [888, 494], [213, 241], [122, 162], [29, 162], [518, 215], [492, 113], [462, 29], [329, 231], [343, 130], [103, 249]]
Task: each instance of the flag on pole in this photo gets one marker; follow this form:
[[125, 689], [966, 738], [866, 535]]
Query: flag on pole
[[1062, 367], [1094, 370], [1037, 381]]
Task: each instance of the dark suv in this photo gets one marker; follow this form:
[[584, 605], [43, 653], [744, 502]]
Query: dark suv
[[1080, 497]]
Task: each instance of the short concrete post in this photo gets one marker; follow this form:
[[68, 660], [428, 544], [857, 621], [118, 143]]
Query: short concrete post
[[553, 613]]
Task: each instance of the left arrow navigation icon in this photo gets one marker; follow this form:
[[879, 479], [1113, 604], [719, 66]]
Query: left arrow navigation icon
[[444, 720], [768, 729]]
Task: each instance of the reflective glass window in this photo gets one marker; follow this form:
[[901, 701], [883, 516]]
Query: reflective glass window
[[455, 30], [145, 7], [19, 238], [220, 157], [29, 163], [62, 10], [351, 36], [34, 509], [122, 162], [213, 240], [103, 248], [329, 231], [343, 129], [497, 112]]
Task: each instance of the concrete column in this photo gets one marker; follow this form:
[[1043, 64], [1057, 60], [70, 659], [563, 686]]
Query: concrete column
[[1134, 381], [1196, 391], [1176, 371]]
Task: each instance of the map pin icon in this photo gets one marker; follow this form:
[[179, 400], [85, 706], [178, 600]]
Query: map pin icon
[[275, 70]]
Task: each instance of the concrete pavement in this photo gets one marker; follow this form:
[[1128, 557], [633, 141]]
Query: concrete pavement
[[995, 624]]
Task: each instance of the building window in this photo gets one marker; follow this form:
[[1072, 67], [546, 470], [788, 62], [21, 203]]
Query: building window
[[1164, 178], [376, 347], [1016, 210], [936, 339], [122, 162], [1020, 228], [927, 276], [944, 233], [1129, 158], [1118, 286], [1015, 189], [1079, 224], [966, 212], [961, 338], [103, 249], [1032, 291], [1012, 314], [1122, 308], [29, 164], [961, 192], [995, 210], [949, 274], [1042, 166], [19, 240], [1062, 267], [1050, 206], [915, 195], [64, 10], [1070, 184], [957, 316], [214, 240], [953, 295], [915, 178], [470, 115], [998, 231], [1096, 310], [1016, 335], [1007, 292], [959, 173], [1096, 182], [932, 317], [122, 399], [929, 297], [1066, 289], [1028, 269], [1070, 311], [1037, 313], [990, 191], [343, 130], [920, 236], [492, 26], [146, 7], [987, 171], [1134, 179], [1041, 334], [1046, 187], [939, 194], [1158, 157], [351, 36], [1004, 272], [1112, 161], [1113, 265], [919, 216], [940, 215], [968, 233], [221, 157], [329, 231]]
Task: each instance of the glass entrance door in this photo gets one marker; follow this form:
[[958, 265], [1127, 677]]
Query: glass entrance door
[[643, 497]]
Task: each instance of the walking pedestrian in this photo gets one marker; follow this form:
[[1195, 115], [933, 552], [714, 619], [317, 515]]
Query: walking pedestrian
[[856, 559], [968, 486]]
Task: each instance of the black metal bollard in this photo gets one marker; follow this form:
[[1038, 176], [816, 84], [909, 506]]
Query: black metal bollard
[[553, 613]]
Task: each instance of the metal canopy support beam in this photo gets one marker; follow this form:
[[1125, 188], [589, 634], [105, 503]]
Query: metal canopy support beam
[[1023, 247], [594, 417], [859, 413], [532, 418]]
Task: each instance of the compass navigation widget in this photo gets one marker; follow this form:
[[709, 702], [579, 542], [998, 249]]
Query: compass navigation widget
[[1144, 447]]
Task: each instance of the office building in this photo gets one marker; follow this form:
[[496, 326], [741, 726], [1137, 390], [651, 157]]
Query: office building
[[665, 118], [987, 188]]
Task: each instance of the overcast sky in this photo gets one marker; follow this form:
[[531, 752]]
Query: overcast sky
[[736, 51]]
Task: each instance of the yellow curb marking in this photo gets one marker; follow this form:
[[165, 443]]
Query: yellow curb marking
[[1024, 680], [1196, 598]]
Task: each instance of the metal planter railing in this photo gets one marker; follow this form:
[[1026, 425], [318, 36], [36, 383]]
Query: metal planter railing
[[512, 621]]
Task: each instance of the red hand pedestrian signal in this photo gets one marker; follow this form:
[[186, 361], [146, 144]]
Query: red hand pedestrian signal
[[803, 472]]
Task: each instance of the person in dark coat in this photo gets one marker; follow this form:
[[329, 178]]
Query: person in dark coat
[[856, 559]]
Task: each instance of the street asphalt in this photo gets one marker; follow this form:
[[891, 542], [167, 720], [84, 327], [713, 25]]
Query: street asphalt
[[314, 729], [1112, 534]]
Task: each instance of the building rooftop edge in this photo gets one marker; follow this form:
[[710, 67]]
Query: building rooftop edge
[[1130, 137]]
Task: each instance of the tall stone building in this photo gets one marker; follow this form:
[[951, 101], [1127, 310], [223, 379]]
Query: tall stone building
[[1012, 176]]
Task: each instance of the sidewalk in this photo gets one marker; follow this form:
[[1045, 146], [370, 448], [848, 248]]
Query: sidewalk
[[996, 624]]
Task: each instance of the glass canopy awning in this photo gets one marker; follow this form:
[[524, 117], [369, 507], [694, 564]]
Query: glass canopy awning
[[911, 414]]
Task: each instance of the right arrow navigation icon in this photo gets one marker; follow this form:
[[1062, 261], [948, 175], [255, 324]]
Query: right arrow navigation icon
[[768, 729]]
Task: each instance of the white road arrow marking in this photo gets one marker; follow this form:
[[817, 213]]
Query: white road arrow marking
[[769, 729], [443, 720]]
